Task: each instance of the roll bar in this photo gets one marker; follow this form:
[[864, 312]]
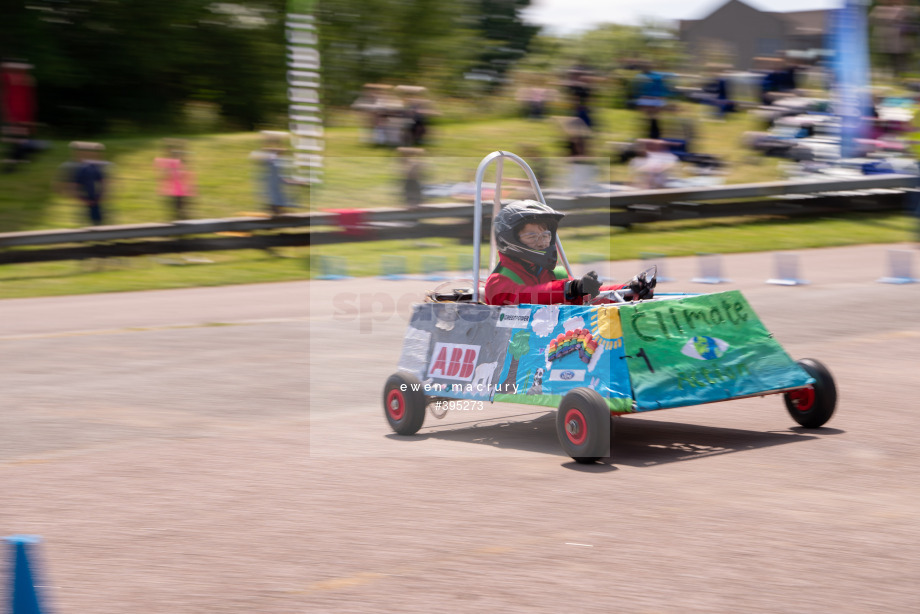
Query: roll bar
[[499, 157]]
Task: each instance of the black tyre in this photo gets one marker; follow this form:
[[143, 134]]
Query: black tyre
[[404, 406], [583, 425], [814, 405]]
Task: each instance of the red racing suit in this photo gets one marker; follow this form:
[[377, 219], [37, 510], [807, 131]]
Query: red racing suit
[[515, 283]]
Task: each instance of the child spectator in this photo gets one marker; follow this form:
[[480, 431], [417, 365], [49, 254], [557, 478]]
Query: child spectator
[[653, 168], [176, 181], [273, 173], [86, 179], [413, 170]]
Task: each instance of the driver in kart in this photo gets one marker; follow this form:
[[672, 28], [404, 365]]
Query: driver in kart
[[525, 234]]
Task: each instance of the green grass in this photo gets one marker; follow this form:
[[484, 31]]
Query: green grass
[[357, 175], [360, 176]]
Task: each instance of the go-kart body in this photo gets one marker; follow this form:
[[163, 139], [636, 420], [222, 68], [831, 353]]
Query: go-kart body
[[596, 360], [666, 352]]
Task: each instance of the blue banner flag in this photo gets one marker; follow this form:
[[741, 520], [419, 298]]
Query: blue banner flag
[[851, 73]]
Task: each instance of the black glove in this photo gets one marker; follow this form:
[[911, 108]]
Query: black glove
[[642, 287], [587, 285]]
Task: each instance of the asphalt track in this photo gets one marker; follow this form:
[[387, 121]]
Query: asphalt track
[[224, 450]]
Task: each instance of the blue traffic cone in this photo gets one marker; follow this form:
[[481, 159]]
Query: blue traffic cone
[[23, 597]]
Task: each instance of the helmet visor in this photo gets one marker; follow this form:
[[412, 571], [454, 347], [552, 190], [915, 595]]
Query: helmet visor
[[536, 239]]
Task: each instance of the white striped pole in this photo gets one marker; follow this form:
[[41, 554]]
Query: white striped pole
[[305, 121]]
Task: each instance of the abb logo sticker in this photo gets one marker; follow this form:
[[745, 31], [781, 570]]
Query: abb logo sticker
[[453, 361]]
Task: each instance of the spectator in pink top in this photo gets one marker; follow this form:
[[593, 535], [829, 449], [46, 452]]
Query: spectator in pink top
[[176, 181]]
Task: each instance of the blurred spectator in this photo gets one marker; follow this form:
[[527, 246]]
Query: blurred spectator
[[581, 169], [395, 117], [533, 100], [412, 175], [417, 108], [273, 170], [651, 88], [17, 112], [652, 95], [787, 77], [176, 181], [779, 78], [654, 165], [894, 28], [380, 108], [85, 178], [677, 130], [716, 92], [577, 135], [579, 84]]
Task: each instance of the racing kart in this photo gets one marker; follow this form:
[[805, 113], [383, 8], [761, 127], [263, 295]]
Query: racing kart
[[594, 361]]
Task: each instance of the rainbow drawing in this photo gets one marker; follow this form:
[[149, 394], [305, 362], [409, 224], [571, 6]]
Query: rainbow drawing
[[578, 340]]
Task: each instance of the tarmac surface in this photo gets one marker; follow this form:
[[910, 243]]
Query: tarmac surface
[[224, 450]]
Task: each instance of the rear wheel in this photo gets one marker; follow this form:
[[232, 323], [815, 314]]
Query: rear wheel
[[813, 405], [404, 403], [583, 425]]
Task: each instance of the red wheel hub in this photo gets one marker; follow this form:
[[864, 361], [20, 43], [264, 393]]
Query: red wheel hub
[[803, 399], [396, 404], [576, 427]]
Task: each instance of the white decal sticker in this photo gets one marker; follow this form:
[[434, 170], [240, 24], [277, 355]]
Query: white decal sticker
[[545, 319], [453, 361], [567, 375], [513, 317]]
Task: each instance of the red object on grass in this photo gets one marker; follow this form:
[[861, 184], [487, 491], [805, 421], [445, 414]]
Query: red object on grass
[[352, 221]]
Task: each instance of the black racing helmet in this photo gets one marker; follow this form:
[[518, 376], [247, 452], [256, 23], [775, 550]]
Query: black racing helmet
[[508, 223]]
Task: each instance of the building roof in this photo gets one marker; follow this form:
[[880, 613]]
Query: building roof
[[800, 22]]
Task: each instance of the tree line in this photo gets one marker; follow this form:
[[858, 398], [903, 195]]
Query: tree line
[[100, 64]]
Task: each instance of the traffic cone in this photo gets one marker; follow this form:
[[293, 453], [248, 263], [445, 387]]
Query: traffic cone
[[23, 596]]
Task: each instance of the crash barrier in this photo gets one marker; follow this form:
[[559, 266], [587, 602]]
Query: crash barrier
[[614, 206], [787, 270], [24, 597], [900, 266], [710, 267], [150, 239]]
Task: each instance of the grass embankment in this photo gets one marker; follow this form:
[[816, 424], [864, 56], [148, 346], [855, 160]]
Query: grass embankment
[[357, 175]]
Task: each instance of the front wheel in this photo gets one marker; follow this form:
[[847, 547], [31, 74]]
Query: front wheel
[[404, 403], [583, 425], [813, 405]]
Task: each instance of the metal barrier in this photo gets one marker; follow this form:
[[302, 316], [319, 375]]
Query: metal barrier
[[614, 208]]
